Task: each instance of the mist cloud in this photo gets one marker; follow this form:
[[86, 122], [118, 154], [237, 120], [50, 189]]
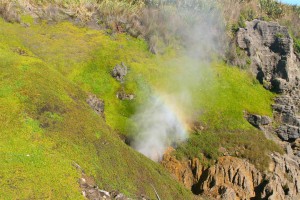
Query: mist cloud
[[158, 123]]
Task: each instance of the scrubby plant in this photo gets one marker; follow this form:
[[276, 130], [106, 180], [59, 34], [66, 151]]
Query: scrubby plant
[[279, 35], [297, 45], [242, 22], [271, 8], [8, 11]]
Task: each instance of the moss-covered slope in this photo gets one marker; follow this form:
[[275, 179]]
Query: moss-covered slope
[[46, 125], [46, 74]]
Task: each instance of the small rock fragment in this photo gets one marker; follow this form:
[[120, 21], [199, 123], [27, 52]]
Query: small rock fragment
[[119, 72], [96, 104]]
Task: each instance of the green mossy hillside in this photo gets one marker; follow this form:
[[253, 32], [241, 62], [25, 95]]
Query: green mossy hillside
[[46, 125], [48, 71]]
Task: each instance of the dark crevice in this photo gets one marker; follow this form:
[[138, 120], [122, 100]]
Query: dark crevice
[[259, 190], [196, 188]]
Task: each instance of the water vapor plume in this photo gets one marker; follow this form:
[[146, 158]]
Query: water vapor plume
[[160, 123], [160, 127]]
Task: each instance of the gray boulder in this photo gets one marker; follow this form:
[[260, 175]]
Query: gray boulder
[[96, 104], [270, 48], [275, 64], [122, 95], [287, 132], [119, 72], [258, 121]]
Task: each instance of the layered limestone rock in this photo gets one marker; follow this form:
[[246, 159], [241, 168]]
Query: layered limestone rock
[[282, 182], [187, 172], [274, 63], [233, 178], [271, 51]]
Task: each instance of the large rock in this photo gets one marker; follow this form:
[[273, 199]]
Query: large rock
[[270, 49], [274, 63], [283, 180], [258, 121], [233, 178], [119, 72], [187, 172]]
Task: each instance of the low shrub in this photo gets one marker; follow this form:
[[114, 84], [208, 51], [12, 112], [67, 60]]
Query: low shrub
[[8, 11], [297, 45], [272, 8]]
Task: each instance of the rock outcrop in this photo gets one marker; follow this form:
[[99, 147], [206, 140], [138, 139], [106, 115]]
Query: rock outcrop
[[271, 51], [274, 63], [233, 178], [282, 182], [122, 95], [119, 72], [187, 172], [91, 191], [258, 121], [96, 104]]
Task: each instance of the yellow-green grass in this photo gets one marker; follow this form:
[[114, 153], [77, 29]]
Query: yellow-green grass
[[223, 106], [46, 125]]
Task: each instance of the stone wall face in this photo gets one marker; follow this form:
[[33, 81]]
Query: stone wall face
[[274, 63]]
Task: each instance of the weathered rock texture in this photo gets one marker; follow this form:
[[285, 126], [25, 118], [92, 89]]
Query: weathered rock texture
[[233, 178], [96, 104], [187, 172], [122, 95], [258, 121], [283, 180], [274, 63], [91, 191], [119, 72]]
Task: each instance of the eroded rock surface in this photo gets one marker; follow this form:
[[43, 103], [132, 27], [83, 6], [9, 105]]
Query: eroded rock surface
[[274, 63], [230, 178], [91, 191], [187, 172], [234, 178], [258, 121], [119, 72], [282, 182], [270, 49], [96, 104]]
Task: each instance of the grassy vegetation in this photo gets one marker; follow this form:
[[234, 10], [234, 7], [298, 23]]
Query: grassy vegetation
[[297, 45], [222, 104], [161, 23], [47, 72], [269, 10], [46, 124]]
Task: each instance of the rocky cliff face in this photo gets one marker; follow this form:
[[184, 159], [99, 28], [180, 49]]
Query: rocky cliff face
[[187, 172], [274, 63], [234, 178]]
